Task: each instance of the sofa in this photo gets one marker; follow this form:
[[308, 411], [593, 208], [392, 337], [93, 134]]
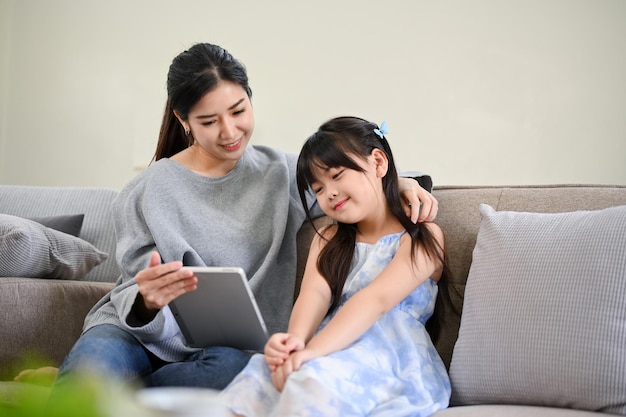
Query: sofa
[[504, 297]]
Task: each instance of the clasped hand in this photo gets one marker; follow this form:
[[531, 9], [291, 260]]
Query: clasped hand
[[284, 354]]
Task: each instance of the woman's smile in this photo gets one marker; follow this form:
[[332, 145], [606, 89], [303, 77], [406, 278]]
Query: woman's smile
[[233, 146]]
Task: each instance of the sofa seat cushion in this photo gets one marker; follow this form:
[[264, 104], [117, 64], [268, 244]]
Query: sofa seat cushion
[[41, 319], [544, 319], [493, 410]]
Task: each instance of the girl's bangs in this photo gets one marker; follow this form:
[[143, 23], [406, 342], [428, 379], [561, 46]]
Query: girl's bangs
[[326, 151]]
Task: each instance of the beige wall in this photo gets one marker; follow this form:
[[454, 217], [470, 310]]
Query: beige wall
[[474, 92]]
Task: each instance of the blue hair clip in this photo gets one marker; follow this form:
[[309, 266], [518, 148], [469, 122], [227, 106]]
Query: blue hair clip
[[382, 131]]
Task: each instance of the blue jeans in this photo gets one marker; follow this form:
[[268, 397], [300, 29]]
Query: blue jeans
[[110, 350]]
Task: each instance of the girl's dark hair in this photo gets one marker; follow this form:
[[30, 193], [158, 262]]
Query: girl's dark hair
[[335, 144], [192, 74]]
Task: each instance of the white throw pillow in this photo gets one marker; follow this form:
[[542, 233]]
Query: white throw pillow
[[544, 315]]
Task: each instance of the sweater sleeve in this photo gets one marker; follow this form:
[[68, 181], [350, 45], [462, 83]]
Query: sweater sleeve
[[135, 245]]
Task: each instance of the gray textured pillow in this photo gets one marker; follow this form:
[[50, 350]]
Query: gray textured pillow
[[29, 249], [544, 316]]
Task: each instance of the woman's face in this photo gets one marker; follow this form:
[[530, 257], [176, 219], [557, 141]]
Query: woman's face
[[222, 122]]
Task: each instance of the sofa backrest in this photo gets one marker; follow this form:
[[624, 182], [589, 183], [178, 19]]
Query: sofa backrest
[[94, 203], [460, 220]]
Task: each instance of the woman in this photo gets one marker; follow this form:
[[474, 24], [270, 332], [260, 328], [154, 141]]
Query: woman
[[208, 199]]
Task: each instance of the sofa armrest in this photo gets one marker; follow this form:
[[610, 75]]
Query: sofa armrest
[[42, 317]]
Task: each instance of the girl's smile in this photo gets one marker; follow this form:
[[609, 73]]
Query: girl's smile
[[340, 204]]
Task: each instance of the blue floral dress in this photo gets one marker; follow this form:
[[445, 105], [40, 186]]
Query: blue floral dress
[[391, 370]]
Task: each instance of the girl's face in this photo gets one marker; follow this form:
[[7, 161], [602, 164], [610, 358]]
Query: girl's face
[[221, 123], [350, 196]]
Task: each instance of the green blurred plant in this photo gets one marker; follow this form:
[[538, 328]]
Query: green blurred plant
[[83, 394]]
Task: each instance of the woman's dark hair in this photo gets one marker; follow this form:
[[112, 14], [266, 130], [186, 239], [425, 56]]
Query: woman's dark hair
[[335, 144], [192, 74]]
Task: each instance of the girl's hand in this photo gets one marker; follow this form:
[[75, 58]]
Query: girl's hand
[[292, 364], [278, 348], [420, 205], [161, 283]]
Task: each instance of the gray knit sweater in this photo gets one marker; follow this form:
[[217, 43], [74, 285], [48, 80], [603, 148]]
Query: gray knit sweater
[[248, 218]]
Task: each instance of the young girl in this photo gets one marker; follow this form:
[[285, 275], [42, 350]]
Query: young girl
[[209, 198], [356, 343]]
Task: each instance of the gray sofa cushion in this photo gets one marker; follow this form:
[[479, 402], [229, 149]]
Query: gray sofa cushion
[[70, 223], [30, 249], [544, 317], [492, 410], [93, 202]]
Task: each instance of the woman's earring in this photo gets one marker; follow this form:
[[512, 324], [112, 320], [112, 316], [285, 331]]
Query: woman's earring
[[189, 137]]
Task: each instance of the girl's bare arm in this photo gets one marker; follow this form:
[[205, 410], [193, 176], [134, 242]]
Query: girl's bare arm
[[314, 298], [401, 277]]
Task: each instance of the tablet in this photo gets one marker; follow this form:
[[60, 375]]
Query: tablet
[[221, 311]]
